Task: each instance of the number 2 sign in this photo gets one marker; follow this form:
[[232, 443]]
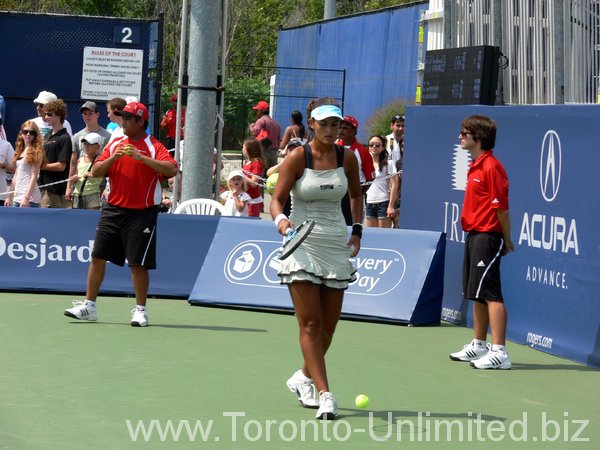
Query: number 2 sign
[[126, 35]]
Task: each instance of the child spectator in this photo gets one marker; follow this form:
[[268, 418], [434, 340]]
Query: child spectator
[[236, 198], [253, 170], [86, 188]]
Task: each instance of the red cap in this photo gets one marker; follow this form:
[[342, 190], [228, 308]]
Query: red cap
[[352, 121], [134, 109], [261, 105], [173, 98]]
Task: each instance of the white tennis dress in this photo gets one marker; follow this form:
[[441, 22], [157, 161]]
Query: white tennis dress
[[323, 258]]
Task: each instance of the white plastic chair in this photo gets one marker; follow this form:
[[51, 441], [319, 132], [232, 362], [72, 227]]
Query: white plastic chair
[[200, 206]]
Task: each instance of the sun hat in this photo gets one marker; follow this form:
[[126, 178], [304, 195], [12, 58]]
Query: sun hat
[[45, 97]]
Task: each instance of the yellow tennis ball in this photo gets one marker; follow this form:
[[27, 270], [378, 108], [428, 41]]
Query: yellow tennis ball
[[272, 182], [361, 401]]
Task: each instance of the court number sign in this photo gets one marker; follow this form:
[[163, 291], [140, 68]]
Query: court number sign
[[126, 34]]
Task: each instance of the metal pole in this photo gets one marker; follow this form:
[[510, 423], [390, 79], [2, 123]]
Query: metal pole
[[559, 53], [329, 10], [158, 78], [182, 53], [202, 105], [220, 118]]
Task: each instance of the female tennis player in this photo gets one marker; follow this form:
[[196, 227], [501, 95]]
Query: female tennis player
[[317, 175]]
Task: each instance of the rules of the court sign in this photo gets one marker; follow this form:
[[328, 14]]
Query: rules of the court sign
[[111, 72]]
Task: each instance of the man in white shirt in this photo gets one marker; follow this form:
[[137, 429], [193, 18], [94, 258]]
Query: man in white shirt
[[395, 148], [395, 140]]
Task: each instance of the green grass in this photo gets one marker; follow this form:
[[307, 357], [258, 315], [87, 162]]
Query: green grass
[[75, 385]]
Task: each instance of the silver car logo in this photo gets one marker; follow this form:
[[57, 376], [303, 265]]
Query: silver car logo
[[550, 165]]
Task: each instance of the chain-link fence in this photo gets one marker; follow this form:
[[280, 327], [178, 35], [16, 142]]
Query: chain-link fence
[[285, 89]]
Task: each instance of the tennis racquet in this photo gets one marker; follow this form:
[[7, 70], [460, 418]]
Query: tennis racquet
[[293, 238]]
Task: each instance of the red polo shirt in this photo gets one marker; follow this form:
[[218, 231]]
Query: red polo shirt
[[365, 160], [132, 183], [170, 122], [487, 192]]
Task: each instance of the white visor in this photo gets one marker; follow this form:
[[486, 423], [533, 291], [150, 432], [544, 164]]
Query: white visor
[[325, 111]]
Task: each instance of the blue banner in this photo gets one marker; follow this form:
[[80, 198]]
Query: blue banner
[[50, 250], [400, 272], [551, 281], [220, 260]]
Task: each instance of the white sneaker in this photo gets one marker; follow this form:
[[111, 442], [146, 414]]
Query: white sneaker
[[304, 389], [328, 409], [494, 359], [81, 311], [470, 352], [139, 318]]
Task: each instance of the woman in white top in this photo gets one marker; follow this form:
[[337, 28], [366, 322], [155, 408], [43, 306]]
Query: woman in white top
[[383, 192], [26, 162]]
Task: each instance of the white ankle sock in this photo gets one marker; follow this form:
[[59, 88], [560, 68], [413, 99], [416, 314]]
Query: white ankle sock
[[499, 348], [140, 308], [479, 342], [300, 375], [90, 303]]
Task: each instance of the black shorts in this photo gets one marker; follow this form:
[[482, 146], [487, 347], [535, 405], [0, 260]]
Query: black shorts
[[127, 233], [481, 267]]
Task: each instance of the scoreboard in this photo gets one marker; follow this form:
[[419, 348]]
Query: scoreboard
[[461, 76]]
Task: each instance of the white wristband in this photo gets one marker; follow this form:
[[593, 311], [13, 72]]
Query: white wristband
[[279, 218]]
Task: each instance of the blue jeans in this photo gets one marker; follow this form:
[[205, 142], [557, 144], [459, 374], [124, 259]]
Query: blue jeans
[[31, 205]]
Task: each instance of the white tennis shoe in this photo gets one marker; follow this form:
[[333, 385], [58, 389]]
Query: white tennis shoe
[[470, 352], [304, 388], [82, 311], [139, 318], [328, 409], [494, 359]]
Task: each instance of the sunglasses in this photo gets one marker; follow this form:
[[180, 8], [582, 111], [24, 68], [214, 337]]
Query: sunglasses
[[39, 105], [397, 117], [375, 144], [463, 133], [49, 114], [28, 132]]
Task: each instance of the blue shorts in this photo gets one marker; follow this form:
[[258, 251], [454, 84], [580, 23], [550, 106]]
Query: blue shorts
[[377, 210]]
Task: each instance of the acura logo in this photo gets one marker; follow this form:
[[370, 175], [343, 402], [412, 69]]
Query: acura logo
[[550, 165]]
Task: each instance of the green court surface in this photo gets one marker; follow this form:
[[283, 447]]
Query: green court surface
[[210, 378]]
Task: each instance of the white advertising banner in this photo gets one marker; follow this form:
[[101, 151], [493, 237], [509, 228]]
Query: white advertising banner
[[111, 72]]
